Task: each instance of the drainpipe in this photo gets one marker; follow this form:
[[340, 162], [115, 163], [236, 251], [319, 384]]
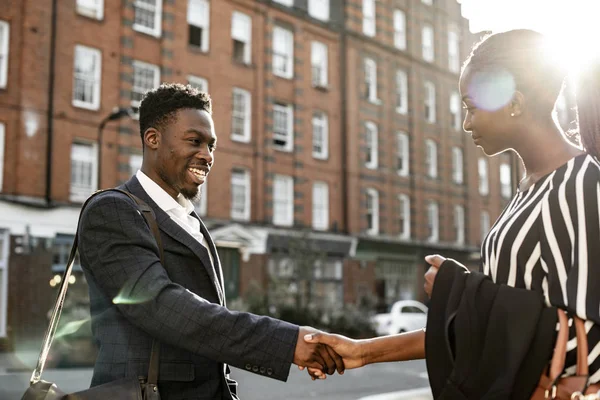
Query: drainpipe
[[344, 112], [50, 120]]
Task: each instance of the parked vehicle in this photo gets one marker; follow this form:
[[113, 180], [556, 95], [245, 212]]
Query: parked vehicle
[[404, 316]]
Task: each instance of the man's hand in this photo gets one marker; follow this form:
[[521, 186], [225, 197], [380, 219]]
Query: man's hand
[[316, 356], [350, 350], [435, 261]]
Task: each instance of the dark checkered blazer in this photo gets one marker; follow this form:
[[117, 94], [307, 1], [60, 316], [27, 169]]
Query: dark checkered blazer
[[134, 298]]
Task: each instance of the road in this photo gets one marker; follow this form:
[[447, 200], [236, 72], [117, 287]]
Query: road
[[353, 385]]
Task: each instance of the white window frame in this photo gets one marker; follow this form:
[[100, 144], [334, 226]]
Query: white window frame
[[459, 224], [505, 180], [320, 206], [283, 47], [429, 103], [157, 9], [404, 210], [402, 153], [372, 144], [433, 221], [320, 127], [484, 224], [4, 52], [203, 22], [288, 134], [428, 2], [483, 174], [241, 31], [283, 200], [427, 43], [91, 8], [89, 82], [371, 80], [287, 3], [202, 207], [399, 29], [241, 178], [457, 165], [2, 152], [319, 64], [455, 111], [453, 50], [198, 82], [372, 197], [319, 9], [5, 236], [138, 88], [431, 158], [135, 162], [79, 193], [245, 114], [401, 92], [369, 18]]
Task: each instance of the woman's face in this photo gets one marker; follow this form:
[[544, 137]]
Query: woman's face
[[487, 97]]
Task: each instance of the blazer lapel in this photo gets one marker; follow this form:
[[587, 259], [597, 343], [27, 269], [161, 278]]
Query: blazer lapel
[[171, 228]]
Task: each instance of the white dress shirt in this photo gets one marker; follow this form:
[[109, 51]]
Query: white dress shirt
[[179, 210]]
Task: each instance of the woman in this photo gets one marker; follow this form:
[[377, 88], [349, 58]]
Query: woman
[[548, 237]]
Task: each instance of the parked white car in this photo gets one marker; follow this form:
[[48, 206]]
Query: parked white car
[[404, 316]]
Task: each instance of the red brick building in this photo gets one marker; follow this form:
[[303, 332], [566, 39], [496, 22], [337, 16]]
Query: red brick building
[[340, 141]]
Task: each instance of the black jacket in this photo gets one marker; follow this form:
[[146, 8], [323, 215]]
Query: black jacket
[[485, 341]]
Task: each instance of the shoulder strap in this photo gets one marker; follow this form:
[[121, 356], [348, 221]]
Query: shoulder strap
[[146, 212]]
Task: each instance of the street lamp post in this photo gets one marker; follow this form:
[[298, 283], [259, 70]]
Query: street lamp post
[[117, 113]]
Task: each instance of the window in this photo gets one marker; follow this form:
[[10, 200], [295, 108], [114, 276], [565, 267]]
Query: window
[[482, 167], [240, 115], [428, 51], [240, 195], [135, 163], [289, 3], [428, 2], [145, 77], [402, 154], [457, 165], [505, 180], [453, 50], [431, 158], [198, 82], [371, 80], [283, 127], [484, 224], [91, 8], [4, 46], [430, 102], [455, 111], [404, 216], [433, 221], [372, 212], [318, 61], [86, 77], [198, 17], [202, 207], [241, 33], [148, 16], [84, 164], [369, 17], [4, 251], [401, 92], [2, 146], [283, 52], [319, 9], [459, 224], [320, 206], [320, 125], [371, 141], [400, 29], [283, 200]]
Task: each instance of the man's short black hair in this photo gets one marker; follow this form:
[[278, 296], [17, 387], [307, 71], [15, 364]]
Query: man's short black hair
[[159, 106]]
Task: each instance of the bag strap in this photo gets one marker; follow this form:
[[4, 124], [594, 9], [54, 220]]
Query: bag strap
[[146, 212], [557, 365]]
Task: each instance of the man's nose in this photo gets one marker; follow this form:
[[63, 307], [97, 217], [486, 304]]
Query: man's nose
[[205, 154]]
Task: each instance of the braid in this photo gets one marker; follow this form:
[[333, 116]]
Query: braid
[[588, 109]]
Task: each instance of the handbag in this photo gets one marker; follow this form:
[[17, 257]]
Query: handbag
[[124, 389], [551, 385]]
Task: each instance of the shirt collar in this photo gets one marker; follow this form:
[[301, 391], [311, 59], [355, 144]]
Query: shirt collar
[[161, 197]]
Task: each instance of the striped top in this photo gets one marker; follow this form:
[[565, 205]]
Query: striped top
[[547, 239]]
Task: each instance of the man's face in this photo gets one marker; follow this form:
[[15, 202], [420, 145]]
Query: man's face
[[186, 152]]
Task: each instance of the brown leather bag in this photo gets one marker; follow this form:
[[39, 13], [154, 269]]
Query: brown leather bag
[[551, 385]]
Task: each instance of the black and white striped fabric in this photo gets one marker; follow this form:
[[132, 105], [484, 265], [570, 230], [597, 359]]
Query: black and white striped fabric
[[547, 239]]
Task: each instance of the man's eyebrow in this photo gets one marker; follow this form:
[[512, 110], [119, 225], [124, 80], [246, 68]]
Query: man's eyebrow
[[193, 130]]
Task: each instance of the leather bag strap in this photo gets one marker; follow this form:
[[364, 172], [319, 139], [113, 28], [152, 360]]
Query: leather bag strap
[[146, 212], [557, 365]]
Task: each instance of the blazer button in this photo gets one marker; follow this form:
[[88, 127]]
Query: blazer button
[[269, 371], [262, 370], [255, 368], [248, 367]]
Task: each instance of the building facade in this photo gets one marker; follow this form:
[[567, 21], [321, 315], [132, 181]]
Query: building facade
[[341, 159]]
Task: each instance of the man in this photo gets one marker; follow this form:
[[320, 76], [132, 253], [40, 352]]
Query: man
[[135, 299]]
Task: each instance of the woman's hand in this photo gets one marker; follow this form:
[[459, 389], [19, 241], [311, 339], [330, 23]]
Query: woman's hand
[[435, 261]]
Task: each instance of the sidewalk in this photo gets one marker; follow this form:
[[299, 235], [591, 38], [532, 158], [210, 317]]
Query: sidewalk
[[22, 361], [414, 394]]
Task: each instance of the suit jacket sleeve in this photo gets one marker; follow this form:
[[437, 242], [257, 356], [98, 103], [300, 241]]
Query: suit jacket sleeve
[[117, 247]]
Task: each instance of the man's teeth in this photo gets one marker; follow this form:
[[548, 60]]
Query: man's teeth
[[198, 172]]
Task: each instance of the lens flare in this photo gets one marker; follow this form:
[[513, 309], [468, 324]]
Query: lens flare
[[491, 90], [123, 298], [70, 328]]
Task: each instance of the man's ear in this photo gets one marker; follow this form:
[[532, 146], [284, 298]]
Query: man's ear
[[152, 138], [517, 104]]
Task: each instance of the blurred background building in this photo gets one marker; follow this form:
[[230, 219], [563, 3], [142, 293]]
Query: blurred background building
[[341, 159]]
